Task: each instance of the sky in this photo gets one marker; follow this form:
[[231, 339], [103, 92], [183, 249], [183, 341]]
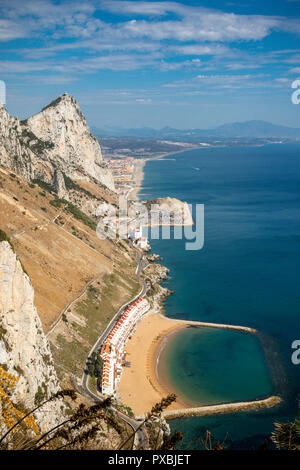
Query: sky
[[185, 64]]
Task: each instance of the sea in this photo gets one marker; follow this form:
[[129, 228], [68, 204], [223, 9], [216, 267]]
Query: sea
[[247, 273]]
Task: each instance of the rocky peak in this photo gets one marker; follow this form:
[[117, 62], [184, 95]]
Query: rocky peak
[[57, 138], [75, 150]]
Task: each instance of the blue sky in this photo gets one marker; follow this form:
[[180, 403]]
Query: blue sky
[[153, 63]]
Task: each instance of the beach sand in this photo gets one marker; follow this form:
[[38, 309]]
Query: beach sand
[[139, 387], [138, 177]]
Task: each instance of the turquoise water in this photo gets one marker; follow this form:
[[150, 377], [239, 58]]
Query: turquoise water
[[247, 273], [209, 366]]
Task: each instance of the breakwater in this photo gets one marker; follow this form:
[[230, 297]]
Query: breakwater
[[224, 326], [222, 408]]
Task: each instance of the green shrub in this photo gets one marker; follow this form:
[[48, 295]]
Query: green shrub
[[56, 203], [42, 184], [75, 211], [3, 237], [70, 184]]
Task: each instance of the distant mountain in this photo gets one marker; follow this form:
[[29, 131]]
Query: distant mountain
[[239, 130], [256, 129]]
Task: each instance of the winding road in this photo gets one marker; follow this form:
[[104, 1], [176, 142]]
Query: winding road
[[135, 424]]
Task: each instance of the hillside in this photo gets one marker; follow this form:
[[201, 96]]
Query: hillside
[[60, 250], [52, 179], [60, 285]]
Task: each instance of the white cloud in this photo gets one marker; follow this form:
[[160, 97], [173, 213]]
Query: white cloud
[[203, 83], [202, 49], [240, 66], [150, 34], [194, 22], [160, 21], [295, 70], [139, 8], [10, 30]]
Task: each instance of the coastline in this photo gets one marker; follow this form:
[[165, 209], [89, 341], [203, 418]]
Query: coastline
[[138, 174], [143, 351], [138, 177], [140, 385]]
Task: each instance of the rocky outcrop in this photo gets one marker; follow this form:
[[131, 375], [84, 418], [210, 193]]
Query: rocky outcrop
[[172, 211], [59, 185], [24, 350], [156, 272], [75, 150], [15, 151], [55, 140]]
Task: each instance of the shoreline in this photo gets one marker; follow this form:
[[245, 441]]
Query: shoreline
[[143, 352], [146, 345], [140, 163], [138, 177]]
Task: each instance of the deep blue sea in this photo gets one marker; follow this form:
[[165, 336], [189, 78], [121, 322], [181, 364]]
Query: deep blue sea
[[247, 273]]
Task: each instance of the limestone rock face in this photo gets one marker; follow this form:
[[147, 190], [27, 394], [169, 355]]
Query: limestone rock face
[[59, 185], [24, 350], [57, 138], [12, 152], [75, 150]]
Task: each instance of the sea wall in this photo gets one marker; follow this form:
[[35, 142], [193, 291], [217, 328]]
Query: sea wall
[[223, 408], [214, 325]]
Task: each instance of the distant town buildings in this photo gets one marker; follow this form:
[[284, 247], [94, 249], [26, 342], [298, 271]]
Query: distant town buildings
[[143, 243], [122, 170]]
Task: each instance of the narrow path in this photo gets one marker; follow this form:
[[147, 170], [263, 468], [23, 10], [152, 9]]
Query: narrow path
[[48, 221], [74, 299]]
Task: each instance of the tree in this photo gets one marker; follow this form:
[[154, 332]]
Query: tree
[[95, 365], [287, 435]]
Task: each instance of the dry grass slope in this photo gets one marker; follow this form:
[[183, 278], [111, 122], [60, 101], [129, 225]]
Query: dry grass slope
[[61, 254]]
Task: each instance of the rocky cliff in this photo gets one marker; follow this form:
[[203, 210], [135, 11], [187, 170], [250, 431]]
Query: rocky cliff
[[15, 152], [55, 140], [24, 350], [75, 150]]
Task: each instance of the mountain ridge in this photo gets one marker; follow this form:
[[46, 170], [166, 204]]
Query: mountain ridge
[[245, 129]]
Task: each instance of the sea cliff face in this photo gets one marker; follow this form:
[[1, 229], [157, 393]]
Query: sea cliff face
[[55, 140], [24, 349]]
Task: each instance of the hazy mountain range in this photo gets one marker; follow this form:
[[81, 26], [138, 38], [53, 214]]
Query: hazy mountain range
[[239, 130]]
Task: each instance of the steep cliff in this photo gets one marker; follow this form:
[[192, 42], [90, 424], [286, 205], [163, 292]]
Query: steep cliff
[[75, 150], [55, 140], [24, 349], [15, 151]]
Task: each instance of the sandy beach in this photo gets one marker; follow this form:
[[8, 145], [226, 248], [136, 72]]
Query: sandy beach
[[138, 174], [139, 387], [138, 177]]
